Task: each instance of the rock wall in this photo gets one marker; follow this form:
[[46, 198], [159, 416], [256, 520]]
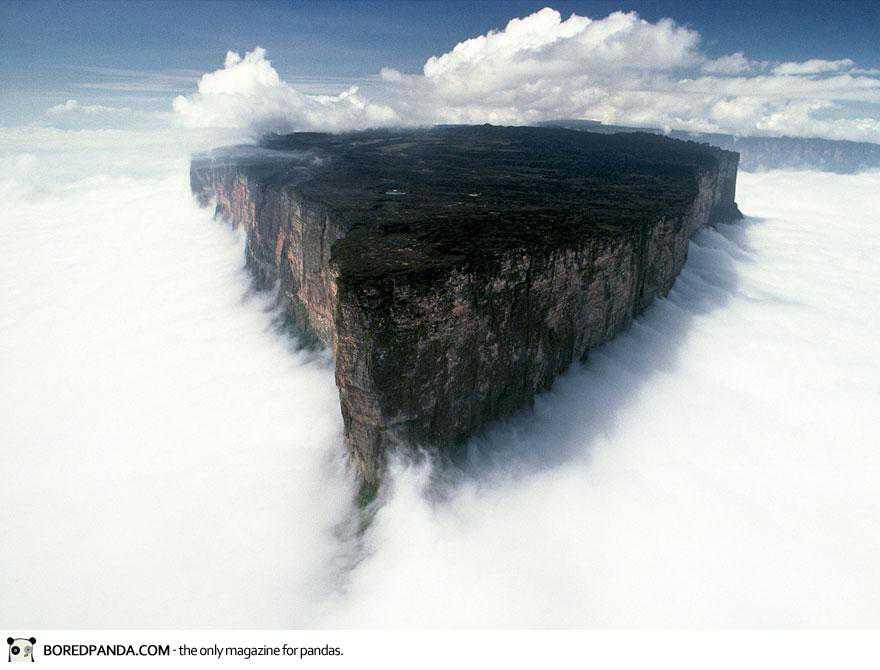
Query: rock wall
[[288, 241], [426, 360], [426, 363]]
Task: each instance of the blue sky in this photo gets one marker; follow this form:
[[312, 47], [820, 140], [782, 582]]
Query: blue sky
[[142, 53], [356, 38]]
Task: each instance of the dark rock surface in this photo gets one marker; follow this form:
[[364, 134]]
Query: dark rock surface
[[457, 271]]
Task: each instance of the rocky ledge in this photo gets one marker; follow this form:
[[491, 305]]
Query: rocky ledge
[[457, 271]]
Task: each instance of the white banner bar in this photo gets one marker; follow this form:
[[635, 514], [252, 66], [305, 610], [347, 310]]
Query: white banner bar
[[449, 650]]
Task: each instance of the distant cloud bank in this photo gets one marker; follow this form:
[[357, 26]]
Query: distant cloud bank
[[75, 107], [619, 69]]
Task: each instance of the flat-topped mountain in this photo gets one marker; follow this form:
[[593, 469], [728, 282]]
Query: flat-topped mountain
[[456, 271]]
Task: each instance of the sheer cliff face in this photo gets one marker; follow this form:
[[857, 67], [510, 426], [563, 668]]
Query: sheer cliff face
[[287, 242], [427, 358], [432, 362]]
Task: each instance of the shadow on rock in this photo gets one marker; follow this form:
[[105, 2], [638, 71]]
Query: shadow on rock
[[585, 403]]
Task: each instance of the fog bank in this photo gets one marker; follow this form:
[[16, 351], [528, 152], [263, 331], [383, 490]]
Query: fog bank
[[714, 466], [171, 458]]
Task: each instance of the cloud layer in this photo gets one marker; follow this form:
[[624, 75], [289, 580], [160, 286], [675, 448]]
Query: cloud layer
[[712, 466], [715, 465], [148, 405], [619, 69], [72, 106]]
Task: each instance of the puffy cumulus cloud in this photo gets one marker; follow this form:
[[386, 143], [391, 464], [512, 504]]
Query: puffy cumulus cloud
[[618, 69], [247, 92], [542, 67], [623, 69], [544, 48]]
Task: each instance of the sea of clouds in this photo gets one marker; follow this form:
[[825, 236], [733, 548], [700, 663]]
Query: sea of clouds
[[169, 458], [172, 458], [716, 465]]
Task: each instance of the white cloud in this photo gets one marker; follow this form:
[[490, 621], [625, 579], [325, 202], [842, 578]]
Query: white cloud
[[618, 69], [675, 485], [814, 66], [145, 333], [542, 45], [735, 63], [247, 92], [126, 80], [74, 106], [669, 482]]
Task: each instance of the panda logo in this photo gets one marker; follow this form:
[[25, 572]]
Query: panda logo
[[21, 649]]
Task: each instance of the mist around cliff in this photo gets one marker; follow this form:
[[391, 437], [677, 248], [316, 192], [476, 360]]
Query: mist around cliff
[[170, 458], [713, 466], [173, 459]]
